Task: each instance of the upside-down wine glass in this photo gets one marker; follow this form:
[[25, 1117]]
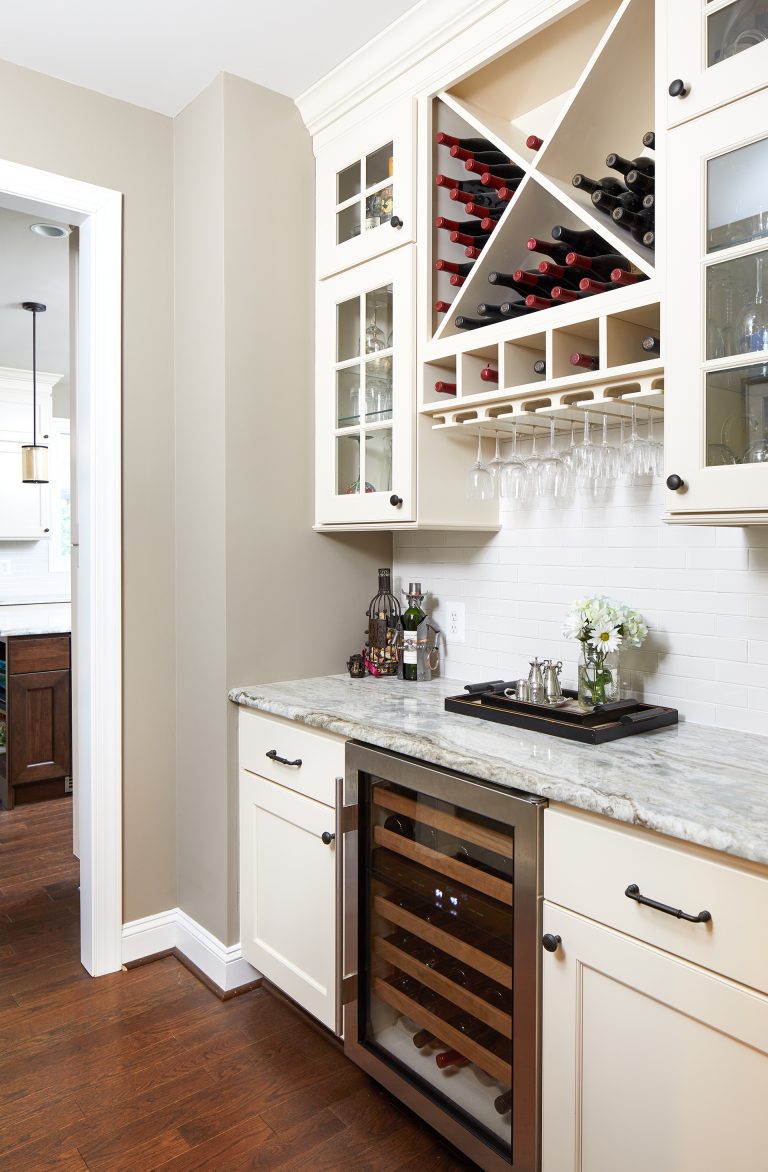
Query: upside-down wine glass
[[514, 474], [552, 477], [479, 484]]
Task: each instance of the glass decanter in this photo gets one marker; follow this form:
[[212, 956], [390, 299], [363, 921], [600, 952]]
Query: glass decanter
[[752, 328]]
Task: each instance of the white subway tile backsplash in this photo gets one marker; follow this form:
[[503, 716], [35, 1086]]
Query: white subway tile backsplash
[[703, 590]]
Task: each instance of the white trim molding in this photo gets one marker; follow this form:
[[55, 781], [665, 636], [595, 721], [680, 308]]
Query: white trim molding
[[97, 647], [174, 930]]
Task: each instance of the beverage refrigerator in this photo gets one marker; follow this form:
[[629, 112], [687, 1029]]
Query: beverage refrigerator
[[441, 949]]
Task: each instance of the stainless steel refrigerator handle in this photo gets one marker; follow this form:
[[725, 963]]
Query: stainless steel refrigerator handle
[[346, 986]]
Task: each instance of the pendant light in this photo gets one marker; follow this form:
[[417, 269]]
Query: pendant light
[[34, 456]]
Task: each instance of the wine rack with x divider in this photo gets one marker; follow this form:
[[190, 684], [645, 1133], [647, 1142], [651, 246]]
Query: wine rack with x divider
[[510, 372]]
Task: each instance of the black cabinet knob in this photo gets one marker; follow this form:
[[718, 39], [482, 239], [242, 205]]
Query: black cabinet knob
[[395, 222], [327, 837], [678, 88], [396, 500], [551, 943], [675, 482]]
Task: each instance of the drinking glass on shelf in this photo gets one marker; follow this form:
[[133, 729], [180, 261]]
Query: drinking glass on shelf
[[479, 484], [514, 475], [553, 475]]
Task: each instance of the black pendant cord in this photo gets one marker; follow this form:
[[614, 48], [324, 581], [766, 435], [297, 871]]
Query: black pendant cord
[[34, 378]]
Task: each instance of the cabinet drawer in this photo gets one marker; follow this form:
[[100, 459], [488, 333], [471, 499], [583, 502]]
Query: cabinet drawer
[[589, 865], [38, 653], [321, 755]]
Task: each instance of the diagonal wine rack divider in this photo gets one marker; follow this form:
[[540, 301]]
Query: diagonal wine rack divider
[[546, 195]]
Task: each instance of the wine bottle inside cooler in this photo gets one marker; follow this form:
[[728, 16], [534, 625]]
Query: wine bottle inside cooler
[[587, 242], [503, 1103], [399, 824]]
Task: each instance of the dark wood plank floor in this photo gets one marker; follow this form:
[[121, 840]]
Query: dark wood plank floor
[[148, 1069]]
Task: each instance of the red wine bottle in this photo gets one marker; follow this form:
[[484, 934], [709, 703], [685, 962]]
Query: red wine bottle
[[488, 157], [587, 242], [539, 366], [503, 1103], [469, 144], [508, 281], [468, 185], [558, 252], [442, 306], [649, 140], [640, 184], [501, 171], [590, 285], [466, 227], [507, 192], [469, 241], [450, 1058], [475, 202], [621, 277], [606, 203], [443, 388], [599, 265], [489, 375], [650, 344], [457, 280], [607, 184], [508, 183], [534, 143], [532, 280], [586, 361], [619, 163], [561, 293], [552, 272], [473, 251], [452, 266], [535, 301]]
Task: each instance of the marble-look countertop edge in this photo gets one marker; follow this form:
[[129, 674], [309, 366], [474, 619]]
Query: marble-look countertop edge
[[35, 629], [621, 807]]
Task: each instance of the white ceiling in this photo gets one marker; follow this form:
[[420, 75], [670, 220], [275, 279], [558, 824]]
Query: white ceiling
[[161, 53]]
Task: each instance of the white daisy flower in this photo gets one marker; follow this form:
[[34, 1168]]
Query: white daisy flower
[[605, 637]]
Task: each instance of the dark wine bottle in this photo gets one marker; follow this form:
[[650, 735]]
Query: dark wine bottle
[[452, 266], [552, 272], [600, 265], [475, 202], [649, 140], [490, 158], [515, 308], [640, 183], [466, 227], [489, 375], [649, 239], [444, 388], [649, 200], [621, 277], [462, 322], [399, 824], [604, 202], [534, 143], [503, 1103], [636, 223], [587, 242], [619, 163], [469, 241], [607, 183], [468, 185], [539, 366], [501, 171], [651, 345], [469, 144], [587, 361], [558, 252], [507, 281], [422, 1038], [485, 309]]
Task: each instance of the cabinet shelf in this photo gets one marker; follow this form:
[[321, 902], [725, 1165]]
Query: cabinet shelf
[[493, 1065]]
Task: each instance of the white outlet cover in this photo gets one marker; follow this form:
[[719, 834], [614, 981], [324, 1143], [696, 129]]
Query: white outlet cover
[[455, 621]]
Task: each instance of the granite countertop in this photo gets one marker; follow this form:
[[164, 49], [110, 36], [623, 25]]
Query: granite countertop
[[704, 785]]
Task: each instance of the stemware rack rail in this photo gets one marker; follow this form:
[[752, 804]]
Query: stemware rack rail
[[484, 836], [486, 1060], [476, 958], [444, 865], [457, 994]]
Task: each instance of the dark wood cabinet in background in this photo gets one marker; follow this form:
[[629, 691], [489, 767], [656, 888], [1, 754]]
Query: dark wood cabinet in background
[[38, 709]]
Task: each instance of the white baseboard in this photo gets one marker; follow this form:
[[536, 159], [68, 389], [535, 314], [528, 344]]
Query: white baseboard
[[223, 964]]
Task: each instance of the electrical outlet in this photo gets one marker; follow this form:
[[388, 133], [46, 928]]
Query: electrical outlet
[[5, 567], [456, 625]]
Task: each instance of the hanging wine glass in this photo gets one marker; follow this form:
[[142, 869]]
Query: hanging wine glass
[[606, 461], [496, 468], [532, 461], [479, 484], [654, 449], [553, 477], [514, 474], [633, 456], [584, 460]]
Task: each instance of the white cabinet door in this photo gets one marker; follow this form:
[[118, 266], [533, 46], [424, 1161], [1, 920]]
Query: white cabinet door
[[648, 1062], [288, 893], [717, 312], [24, 508], [366, 190], [718, 48], [365, 393]]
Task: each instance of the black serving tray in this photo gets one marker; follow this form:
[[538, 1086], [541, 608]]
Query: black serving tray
[[606, 722]]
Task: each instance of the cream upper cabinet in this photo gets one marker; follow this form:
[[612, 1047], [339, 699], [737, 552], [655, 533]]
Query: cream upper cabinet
[[717, 49], [365, 393], [24, 508], [366, 190], [717, 359]]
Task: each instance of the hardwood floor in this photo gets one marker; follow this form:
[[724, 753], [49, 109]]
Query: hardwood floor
[[148, 1069]]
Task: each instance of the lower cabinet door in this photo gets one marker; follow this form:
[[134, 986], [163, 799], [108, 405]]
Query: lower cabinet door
[[39, 726], [648, 1062], [288, 892]]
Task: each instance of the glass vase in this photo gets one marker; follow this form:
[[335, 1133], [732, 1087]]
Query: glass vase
[[599, 678]]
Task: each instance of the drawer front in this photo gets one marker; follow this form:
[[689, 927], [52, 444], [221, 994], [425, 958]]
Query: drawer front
[[588, 867], [321, 755], [38, 653]]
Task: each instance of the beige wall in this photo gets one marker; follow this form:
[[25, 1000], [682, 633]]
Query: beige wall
[[71, 131], [294, 600]]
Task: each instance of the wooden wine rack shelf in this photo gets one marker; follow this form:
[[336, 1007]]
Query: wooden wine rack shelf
[[457, 994], [444, 865], [486, 837], [493, 1065], [497, 970]]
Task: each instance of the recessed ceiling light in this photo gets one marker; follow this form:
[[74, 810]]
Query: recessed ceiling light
[[49, 229]]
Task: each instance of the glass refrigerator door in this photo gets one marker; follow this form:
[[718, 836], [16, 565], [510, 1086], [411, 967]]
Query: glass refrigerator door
[[437, 953]]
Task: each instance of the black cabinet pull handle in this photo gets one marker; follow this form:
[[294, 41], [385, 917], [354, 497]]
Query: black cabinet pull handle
[[678, 88], [675, 482], [550, 942], [273, 756], [327, 837], [633, 892], [396, 500], [396, 222]]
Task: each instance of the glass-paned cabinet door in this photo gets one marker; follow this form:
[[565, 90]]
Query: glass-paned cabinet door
[[365, 402], [718, 49], [366, 190], [717, 311]]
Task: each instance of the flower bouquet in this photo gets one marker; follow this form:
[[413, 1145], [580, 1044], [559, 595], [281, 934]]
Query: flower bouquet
[[602, 626]]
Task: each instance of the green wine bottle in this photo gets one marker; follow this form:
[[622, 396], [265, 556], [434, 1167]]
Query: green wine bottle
[[410, 620]]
